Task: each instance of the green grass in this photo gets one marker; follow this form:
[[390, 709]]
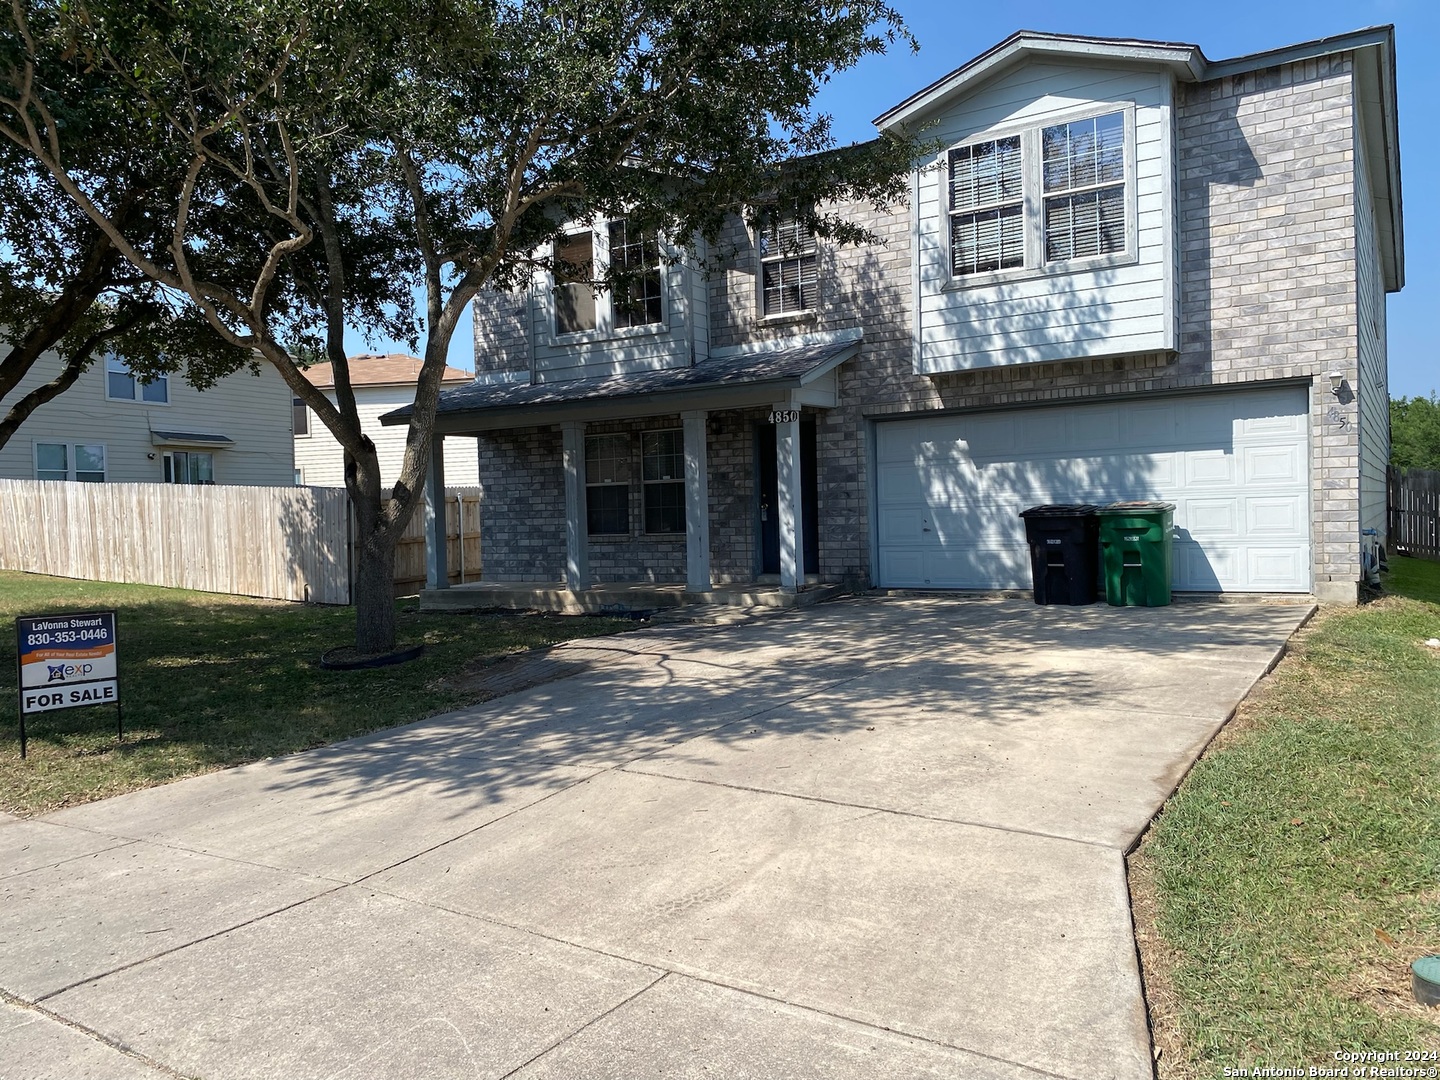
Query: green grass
[[1293, 876], [210, 681]]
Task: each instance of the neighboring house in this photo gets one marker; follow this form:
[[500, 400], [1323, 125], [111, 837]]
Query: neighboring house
[[1130, 272], [110, 428], [381, 384]]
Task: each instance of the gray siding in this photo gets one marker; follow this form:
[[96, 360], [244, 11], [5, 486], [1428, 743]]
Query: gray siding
[[252, 410], [502, 344], [1371, 389], [1035, 314]]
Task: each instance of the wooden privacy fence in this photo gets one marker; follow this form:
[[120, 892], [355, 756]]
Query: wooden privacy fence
[[282, 543], [1415, 512], [276, 542], [462, 531]]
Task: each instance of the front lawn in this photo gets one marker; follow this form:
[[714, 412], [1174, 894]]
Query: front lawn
[[211, 681], [1287, 885]]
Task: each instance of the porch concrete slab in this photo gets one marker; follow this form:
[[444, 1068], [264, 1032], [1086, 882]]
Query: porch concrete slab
[[29, 845], [356, 984], [938, 931], [341, 813], [682, 1027], [79, 919], [39, 1047]]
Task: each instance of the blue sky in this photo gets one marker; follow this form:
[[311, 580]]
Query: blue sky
[[951, 33]]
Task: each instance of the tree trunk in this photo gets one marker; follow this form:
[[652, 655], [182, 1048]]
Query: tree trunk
[[375, 593]]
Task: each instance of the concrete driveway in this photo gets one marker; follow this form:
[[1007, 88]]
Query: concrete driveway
[[883, 838]]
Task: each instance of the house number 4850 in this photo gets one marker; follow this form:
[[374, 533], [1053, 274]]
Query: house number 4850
[[784, 416]]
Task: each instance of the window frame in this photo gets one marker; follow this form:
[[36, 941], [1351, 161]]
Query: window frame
[[72, 472], [625, 484], [298, 408], [1030, 132], [137, 388], [762, 258], [646, 485], [605, 329], [167, 465]]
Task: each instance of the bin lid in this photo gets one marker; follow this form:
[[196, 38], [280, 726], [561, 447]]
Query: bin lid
[[1139, 507], [1059, 510]]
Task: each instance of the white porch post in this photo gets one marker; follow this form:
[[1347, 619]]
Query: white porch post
[[790, 504], [697, 503], [437, 570], [577, 542]]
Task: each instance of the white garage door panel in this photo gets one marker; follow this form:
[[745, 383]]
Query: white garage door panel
[[950, 489]]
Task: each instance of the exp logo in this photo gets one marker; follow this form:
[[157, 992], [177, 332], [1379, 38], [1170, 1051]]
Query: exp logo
[[60, 672]]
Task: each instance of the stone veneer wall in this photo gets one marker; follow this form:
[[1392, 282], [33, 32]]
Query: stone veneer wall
[[1267, 281]]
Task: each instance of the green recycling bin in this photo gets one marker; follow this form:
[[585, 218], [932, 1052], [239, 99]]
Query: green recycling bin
[[1136, 552]]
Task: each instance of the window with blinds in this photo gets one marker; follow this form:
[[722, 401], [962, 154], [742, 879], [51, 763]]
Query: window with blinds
[[987, 207], [789, 267], [1083, 164]]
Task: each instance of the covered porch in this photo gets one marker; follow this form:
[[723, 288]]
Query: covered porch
[[546, 497]]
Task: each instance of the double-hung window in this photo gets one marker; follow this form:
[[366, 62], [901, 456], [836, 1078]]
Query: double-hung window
[[121, 385], [70, 461], [627, 257], [300, 417], [789, 268], [662, 457], [987, 207], [1041, 198], [607, 485]]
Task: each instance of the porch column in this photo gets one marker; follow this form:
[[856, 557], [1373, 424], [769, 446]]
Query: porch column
[[697, 503], [577, 541], [437, 569], [790, 505]]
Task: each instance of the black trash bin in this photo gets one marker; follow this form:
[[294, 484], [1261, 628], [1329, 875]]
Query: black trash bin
[[1064, 552]]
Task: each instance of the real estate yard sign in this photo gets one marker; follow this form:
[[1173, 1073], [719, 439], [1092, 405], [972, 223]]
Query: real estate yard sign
[[66, 662]]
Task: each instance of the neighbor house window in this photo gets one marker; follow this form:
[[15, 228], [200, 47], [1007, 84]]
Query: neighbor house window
[[789, 267], [120, 385], [1084, 167], [607, 484], [987, 207], [1071, 201], [189, 467], [70, 461], [662, 459], [300, 416], [574, 292], [635, 258]]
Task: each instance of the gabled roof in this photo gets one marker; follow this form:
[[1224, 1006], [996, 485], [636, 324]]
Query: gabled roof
[[1375, 95], [369, 369]]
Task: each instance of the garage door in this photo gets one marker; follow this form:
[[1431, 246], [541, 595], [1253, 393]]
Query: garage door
[[949, 489]]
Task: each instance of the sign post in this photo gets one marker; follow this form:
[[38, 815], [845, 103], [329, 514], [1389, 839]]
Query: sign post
[[67, 662]]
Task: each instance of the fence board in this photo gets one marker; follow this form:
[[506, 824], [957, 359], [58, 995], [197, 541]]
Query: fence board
[[281, 543], [462, 530], [1415, 512]]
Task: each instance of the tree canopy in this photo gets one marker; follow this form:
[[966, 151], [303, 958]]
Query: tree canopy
[[323, 160], [1415, 432]]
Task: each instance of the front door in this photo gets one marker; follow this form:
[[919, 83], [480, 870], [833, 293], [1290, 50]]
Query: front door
[[767, 484]]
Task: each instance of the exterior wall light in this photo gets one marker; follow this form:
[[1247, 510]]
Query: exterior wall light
[[1337, 382]]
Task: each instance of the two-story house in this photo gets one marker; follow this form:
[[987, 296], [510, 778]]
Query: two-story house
[[1128, 272]]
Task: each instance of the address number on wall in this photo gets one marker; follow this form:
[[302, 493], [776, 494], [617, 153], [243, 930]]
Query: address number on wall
[[784, 416]]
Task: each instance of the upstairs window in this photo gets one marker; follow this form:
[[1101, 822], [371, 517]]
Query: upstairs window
[[789, 268], [1041, 198], [987, 207], [1084, 166], [574, 291], [635, 259], [120, 385], [300, 416], [662, 455]]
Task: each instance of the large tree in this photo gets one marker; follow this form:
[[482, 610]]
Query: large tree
[[1415, 432], [381, 148]]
